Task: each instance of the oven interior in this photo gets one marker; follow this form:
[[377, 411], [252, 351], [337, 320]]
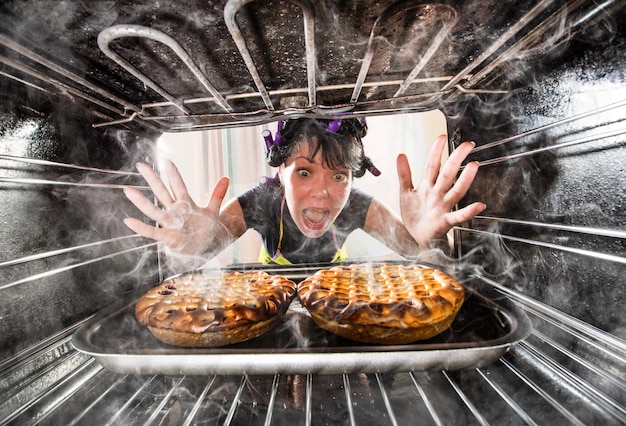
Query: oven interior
[[89, 87]]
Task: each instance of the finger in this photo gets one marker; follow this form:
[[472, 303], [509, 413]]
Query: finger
[[465, 214], [451, 169], [156, 184], [179, 188], [143, 229], [146, 206], [404, 173], [462, 184], [157, 234], [217, 195], [433, 163]]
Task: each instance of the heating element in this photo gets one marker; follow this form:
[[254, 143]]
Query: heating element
[[398, 65], [88, 87]]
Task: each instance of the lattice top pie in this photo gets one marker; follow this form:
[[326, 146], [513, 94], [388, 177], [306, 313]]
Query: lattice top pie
[[382, 303], [204, 310]]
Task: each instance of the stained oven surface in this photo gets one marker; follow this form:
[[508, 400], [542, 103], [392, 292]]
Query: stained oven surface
[[87, 88]]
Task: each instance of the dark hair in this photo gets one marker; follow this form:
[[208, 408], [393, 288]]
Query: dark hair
[[339, 141]]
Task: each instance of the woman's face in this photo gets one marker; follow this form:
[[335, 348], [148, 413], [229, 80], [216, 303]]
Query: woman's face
[[315, 194]]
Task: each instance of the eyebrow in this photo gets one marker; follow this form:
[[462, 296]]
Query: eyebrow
[[324, 165], [309, 159]]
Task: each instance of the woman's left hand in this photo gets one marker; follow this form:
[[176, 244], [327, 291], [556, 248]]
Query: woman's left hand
[[427, 210]]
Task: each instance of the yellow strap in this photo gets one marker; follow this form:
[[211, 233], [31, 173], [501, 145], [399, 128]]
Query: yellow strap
[[341, 255], [264, 258]]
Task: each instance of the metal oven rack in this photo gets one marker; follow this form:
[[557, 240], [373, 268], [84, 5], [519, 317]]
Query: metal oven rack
[[540, 378]]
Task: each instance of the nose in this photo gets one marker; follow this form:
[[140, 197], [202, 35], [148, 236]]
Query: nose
[[319, 188]]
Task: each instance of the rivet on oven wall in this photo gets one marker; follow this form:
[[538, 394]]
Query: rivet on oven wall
[[456, 138]]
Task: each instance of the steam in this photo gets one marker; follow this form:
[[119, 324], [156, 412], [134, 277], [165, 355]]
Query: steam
[[296, 324], [89, 207], [489, 257]]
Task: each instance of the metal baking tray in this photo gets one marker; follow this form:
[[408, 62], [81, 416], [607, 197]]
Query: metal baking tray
[[485, 327]]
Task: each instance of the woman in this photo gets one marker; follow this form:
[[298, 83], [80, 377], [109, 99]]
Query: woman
[[306, 214]]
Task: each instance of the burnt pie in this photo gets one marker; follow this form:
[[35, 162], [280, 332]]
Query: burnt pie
[[382, 303], [198, 310]]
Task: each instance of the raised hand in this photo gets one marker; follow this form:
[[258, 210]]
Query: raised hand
[[183, 226], [427, 210]]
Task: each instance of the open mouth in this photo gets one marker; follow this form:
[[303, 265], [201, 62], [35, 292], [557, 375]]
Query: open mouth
[[315, 219]]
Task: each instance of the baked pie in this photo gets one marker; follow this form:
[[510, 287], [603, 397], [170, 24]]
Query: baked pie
[[382, 303], [198, 310]]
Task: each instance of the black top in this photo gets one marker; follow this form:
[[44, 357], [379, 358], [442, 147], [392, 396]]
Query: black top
[[261, 211]]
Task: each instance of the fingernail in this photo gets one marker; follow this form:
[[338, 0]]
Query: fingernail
[[473, 143]]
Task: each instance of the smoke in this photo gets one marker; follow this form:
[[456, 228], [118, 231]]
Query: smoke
[[488, 257], [174, 263], [299, 328]]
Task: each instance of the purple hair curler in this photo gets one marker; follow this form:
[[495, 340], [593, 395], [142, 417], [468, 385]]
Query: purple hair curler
[[374, 170], [369, 165], [278, 140], [269, 140], [334, 126]]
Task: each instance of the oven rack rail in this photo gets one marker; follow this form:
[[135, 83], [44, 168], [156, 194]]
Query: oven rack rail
[[522, 35], [538, 379]]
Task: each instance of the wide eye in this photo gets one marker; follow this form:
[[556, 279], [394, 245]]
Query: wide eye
[[340, 177], [303, 172]]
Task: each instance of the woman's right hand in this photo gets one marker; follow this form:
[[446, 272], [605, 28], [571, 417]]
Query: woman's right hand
[[184, 227]]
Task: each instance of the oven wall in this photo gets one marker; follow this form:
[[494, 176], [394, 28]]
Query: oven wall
[[554, 228], [64, 251]]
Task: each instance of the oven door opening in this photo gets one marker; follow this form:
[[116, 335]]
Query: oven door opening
[[239, 153]]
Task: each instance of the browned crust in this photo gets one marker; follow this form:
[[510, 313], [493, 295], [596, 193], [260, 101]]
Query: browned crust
[[376, 334], [382, 303], [201, 310], [214, 338]]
